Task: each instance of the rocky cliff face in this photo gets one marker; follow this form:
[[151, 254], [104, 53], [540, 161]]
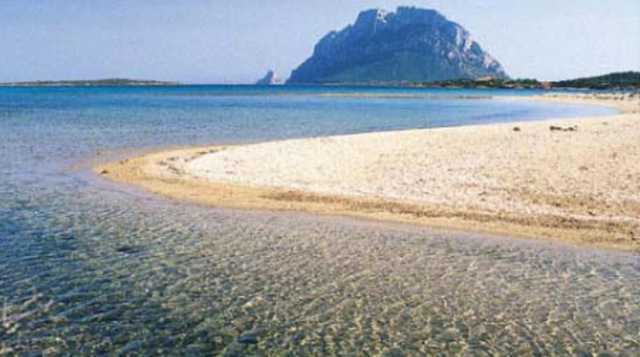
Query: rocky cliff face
[[269, 79], [410, 44]]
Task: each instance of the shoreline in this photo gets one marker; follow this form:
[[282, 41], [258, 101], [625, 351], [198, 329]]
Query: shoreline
[[511, 194]]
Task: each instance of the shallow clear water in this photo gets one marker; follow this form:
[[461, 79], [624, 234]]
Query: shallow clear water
[[90, 267]]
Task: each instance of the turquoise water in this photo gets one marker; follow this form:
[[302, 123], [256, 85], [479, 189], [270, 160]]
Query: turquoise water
[[90, 267]]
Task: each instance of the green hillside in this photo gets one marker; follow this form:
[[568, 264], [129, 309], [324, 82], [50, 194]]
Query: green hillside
[[608, 81]]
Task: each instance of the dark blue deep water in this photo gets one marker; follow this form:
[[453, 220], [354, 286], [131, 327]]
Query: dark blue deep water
[[90, 267]]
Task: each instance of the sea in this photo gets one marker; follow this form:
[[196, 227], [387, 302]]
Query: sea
[[91, 267]]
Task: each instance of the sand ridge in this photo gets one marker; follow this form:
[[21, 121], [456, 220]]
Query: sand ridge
[[576, 180]]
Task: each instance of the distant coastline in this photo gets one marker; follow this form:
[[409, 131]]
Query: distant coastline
[[109, 82], [618, 81]]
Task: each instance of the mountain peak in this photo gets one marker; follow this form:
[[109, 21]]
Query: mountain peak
[[410, 44], [418, 15], [370, 17]]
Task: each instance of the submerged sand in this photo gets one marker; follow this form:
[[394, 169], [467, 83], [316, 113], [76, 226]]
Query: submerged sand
[[575, 180]]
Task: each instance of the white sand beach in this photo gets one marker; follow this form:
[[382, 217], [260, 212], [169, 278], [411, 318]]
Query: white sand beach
[[575, 179]]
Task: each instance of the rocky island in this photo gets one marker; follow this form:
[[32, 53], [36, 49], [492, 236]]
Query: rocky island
[[269, 79], [409, 45]]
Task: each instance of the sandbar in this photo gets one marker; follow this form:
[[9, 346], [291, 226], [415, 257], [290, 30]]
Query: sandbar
[[573, 180]]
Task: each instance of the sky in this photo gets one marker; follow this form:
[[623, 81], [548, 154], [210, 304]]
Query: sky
[[223, 41]]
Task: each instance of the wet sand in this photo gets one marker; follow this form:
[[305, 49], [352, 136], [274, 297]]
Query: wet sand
[[575, 180]]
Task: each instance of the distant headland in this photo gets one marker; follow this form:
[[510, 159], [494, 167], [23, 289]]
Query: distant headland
[[109, 82], [414, 47], [411, 44]]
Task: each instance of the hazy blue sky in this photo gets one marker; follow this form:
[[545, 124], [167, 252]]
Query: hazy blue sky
[[238, 40]]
